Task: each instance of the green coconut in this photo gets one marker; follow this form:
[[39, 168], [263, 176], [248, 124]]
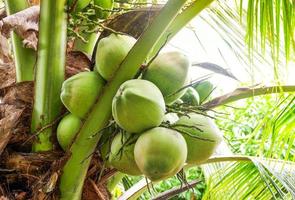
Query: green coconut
[[80, 92], [138, 106], [110, 53], [191, 97], [199, 150], [122, 154], [67, 129], [78, 5], [204, 89], [169, 72], [105, 6], [160, 153]]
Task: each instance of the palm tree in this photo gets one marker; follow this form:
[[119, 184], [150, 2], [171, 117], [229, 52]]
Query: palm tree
[[267, 176]]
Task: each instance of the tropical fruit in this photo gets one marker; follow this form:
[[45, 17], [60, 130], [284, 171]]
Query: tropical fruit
[[110, 53], [204, 89], [207, 137], [169, 73], [160, 153], [80, 92], [138, 106], [105, 5], [191, 97], [122, 154], [67, 129], [78, 5]]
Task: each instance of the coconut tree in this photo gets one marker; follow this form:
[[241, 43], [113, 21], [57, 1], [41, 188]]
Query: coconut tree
[[64, 174]]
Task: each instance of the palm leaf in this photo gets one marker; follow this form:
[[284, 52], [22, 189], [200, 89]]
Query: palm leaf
[[238, 177], [254, 27], [270, 118], [257, 178], [215, 68], [264, 126]]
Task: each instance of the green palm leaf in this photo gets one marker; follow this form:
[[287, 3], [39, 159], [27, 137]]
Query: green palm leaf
[[239, 177], [257, 178], [270, 119]]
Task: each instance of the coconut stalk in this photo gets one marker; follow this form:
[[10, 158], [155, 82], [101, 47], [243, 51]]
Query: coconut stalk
[[81, 151], [24, 58], [49, 70]]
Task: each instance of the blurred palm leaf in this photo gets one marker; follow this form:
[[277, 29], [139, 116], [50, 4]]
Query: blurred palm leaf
[[256, 178], [269, 17], [242, 24], [239, 177], [274, 128], [278, 132]]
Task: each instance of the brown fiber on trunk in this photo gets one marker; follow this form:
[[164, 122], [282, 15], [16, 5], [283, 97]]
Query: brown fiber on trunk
[[25, 175]]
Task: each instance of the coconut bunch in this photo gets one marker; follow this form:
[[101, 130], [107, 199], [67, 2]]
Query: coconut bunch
[[147, 139]]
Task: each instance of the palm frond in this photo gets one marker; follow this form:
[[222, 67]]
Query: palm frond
[[238, 177], [239, 25], [260, 126], [256, 178], [270, 18]]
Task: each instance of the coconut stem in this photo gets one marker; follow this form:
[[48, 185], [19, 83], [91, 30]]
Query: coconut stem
[[24, 58], [49, 70], [75, 169]]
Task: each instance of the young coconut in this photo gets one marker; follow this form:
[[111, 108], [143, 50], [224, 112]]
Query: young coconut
[[138, 106], [169, 72], [78, 5], [67, 129], [204, 89], [160, 153], [105, 6], [111, 51], [191, 97], [80, 92], [199, 150], [122, 154]]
